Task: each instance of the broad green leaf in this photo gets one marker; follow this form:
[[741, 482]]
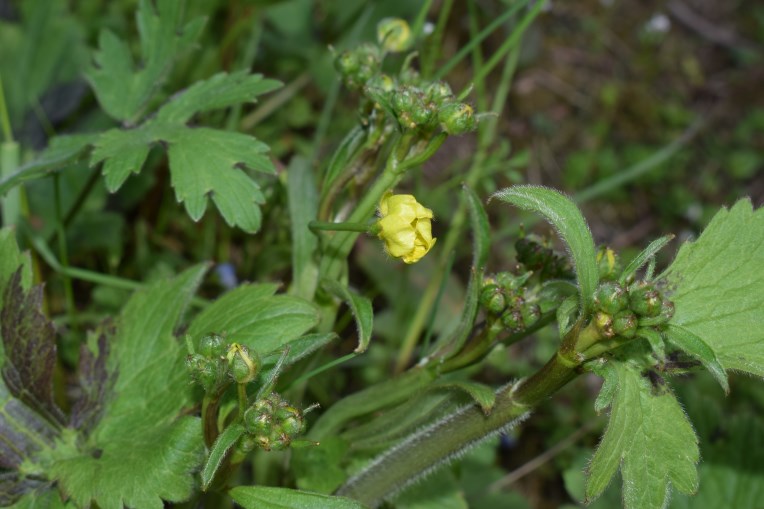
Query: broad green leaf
[[481, 243], [361, 308], [204, 163], [649, 437], [717, 286], [318, 468], [142, 451], [62, 151], [123, 89], [219, 451], [484, 395], [565, 216], [252, 316], [697, 348], [643, 257], [220, 91], [303, 208], [258, 497]]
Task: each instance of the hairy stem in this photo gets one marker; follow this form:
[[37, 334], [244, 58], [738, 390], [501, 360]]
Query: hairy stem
[[444, 440]]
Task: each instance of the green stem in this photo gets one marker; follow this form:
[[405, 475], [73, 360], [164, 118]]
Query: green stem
[[63, 253], [5, 121], [445, 439], [210, 407], [241, 391], [316, 226]]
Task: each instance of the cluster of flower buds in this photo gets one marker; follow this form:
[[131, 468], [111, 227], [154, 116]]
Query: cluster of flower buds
[[506, 299], [620, 311], [217, 363], [271, 423], [542, 260], [415, 104], [208, 366]]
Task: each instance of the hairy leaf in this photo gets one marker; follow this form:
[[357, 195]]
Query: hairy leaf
[[361, 308], [96, 382], [141, 452], [251, 315], [648, 436], [643, 257], [29, 341], [124, 152], [123, 88], [697, 348], [717, 286], [220, 91], [219, 451], [256, 497], [482, 394], [565, 216]]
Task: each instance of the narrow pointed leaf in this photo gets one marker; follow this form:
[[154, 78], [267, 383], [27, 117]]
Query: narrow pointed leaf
[[219, 451], [360, 307], [303, 208], [481, 243], [257, 497], [643, 257], [565, 216], [697, 348], [484, 395]]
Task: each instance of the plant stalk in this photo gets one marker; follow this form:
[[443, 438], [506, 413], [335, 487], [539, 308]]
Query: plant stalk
[[444, 440]]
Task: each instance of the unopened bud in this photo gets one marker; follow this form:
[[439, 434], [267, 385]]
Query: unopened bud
[[457, 118]]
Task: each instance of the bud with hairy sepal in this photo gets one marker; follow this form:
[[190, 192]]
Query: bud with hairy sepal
[[531, 314], [493, 299], [243, 364], [611, 297], [625, 324], [608, 264], [664, 317], [439, 93], [604, 324], [645, 300], [212, 346], [512, 319], [457, 118], [394, 35], [359, 65], [211, 374]]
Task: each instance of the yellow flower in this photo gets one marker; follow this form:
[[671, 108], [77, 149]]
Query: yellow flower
[[405, 227]]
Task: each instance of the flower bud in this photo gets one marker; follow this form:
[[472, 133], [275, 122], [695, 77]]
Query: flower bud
[[492, 299], [244, 366], [212, 346], [611, 297], [457, 118], [512, 319], [394, 35], [625, 324], [292, 426], [530, 313], [358, 65], [438, 92], [604, 324], [645, 300], [608, 264], [511, 282]]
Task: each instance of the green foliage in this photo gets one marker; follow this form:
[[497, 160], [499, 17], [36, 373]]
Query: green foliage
[[124, 89], [648, 436], [257, 318], [252, 497], [564, 215], [718, 289]]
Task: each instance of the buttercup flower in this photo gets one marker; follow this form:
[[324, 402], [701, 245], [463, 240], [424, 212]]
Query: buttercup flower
[[405, 227]]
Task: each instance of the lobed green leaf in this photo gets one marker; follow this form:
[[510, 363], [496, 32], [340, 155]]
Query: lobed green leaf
[[717, 286], [648, 436]]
